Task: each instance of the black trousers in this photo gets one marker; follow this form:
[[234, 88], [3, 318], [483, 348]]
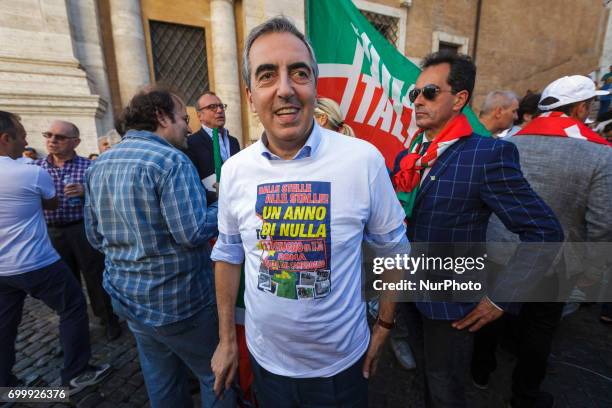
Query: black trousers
[[536, 326], [72, 245], [443, 356], [55, 286], [448, 353]]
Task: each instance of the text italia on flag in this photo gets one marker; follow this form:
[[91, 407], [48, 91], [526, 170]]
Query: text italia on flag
[[366, 75]]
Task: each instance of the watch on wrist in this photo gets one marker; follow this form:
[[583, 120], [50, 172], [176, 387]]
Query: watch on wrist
[[384, 324]]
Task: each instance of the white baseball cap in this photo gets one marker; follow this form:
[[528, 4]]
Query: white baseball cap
[[569, 89]]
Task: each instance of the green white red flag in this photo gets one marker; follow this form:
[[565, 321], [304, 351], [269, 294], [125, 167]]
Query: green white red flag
[[366, 75]]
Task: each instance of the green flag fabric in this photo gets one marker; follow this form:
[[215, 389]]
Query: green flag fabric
[[217, 154], [366, 75]]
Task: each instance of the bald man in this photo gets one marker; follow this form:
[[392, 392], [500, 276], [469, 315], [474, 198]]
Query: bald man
[[499, 111], [65, 224]]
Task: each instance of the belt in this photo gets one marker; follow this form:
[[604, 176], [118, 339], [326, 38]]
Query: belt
[[65, 224]]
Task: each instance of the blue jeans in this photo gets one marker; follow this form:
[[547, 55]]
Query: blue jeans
[[346, 389], [56, 286], [167, 351]]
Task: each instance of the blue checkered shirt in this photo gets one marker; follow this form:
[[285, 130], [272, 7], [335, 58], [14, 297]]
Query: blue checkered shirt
[[145, 208], [74, 168]]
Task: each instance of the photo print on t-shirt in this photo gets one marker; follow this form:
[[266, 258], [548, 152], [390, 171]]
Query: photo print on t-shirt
[[294, 239]]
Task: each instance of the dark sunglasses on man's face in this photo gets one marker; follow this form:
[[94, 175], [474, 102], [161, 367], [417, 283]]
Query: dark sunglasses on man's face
[[429, 92]]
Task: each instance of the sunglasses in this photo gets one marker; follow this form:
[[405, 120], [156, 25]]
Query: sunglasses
[[429, 92], [214, 106], [58, 137]]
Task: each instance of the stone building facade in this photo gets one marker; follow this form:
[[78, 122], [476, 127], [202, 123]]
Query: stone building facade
[[517, 44], [51, 67], [82, 60]]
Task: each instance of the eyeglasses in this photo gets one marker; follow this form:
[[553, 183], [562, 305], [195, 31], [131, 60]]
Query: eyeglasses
[[214, 106], [429, 92], [58, 137]]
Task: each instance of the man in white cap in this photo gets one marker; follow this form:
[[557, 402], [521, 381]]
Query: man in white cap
[[570, 167], [571, 95]]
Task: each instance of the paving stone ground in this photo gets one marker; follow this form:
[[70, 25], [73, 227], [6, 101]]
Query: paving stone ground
[[580, 373]]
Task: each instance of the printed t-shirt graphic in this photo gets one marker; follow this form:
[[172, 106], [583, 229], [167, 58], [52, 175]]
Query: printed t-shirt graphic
[[295, 239]]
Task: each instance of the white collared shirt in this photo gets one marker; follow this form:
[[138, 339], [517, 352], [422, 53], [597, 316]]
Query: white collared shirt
[[224, 144]]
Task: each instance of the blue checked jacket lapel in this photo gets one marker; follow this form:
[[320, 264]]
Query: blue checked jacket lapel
[[439, 166]]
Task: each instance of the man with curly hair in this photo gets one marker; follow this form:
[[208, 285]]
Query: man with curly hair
[[146, 210]]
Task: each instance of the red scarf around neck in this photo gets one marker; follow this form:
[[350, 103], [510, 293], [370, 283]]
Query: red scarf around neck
[[408, 177], [560, 125]]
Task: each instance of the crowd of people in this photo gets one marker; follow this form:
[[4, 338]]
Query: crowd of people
[[162, 237]]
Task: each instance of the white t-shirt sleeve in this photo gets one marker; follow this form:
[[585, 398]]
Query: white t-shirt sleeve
[[385, 231], [45, 184], [386, 213], [227, 219]]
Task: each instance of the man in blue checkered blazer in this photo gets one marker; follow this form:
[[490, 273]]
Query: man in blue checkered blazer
[[470, 179]]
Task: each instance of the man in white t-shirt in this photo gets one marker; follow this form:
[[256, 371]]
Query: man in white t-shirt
[[296, 206], [30, 265]]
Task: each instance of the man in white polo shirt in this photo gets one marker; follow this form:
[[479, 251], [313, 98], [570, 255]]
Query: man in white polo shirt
[[296, 206], [30, 265]]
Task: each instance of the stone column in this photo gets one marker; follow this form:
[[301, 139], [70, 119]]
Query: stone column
[[87, 44], [130, 48], [40, 77], [225, 62]]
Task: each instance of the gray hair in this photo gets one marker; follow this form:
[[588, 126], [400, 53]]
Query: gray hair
[[495, 99], [112, 136], [73, 128], [279, 24]]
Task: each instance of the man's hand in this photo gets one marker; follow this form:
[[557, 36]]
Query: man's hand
[[74, 190], [482, 314], [224, 365], [377, 341]]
